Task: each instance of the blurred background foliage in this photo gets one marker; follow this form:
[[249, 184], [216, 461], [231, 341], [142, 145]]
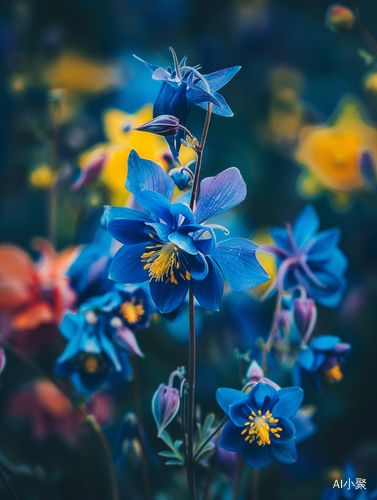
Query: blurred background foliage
[[295, 75]]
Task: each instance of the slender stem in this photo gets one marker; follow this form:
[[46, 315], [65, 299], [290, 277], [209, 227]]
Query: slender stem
[[7, 485], [275, 324], [367, 35], [23, 481], [54, 166], [255, 484], [136, 395], [187, 131], [183, 416], [82, 408], [206, 126], [191, 400], [202, 446]]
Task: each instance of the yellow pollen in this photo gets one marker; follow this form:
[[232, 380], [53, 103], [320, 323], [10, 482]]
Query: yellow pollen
[[259, 429], [150, 235], [253, 413], [335, 374], [91, 364], [162, 261], [131, 311]]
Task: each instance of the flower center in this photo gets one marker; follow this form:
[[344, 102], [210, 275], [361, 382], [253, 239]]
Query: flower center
[[164, 263], [259, 429], [131, 311], [334, 374], [91, 364]]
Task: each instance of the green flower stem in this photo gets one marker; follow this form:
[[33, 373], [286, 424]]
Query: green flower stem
[[137, 405], [82, 408], [7, 485], [190, 463], [218, 428], [367, 35]]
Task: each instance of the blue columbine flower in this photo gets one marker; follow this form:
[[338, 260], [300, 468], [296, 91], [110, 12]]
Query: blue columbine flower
[[99, 343], [311, 260], [89, 272], [182, 87], [260, 423], [321, 360], [171, 247]]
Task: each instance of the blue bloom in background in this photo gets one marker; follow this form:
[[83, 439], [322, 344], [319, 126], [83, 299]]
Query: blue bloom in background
[[349, 491], [170, 246], [182, 87], [260, 423], [99, 343], [89, 272], [321, 360], [313, 259]]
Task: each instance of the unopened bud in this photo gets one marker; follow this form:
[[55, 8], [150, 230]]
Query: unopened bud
[[165, 125], [165, 403], [305, 316], [339, 19], [89, 173], [181, 177]]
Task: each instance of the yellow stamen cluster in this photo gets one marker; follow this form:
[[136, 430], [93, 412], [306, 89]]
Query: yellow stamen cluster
[[163, 261], [334, 374], [131, 311], [259, 429], [91, 364]]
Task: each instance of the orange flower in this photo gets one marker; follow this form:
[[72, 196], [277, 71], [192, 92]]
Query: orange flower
[[330, 153], [33, 294]]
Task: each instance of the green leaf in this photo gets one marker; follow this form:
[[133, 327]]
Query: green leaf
[[173, 462], [207, 424], [168, 454], [204, 455], [178, 443]]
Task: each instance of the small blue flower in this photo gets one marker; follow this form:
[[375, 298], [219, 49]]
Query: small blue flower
[[99, 344], [321, 360], [260, 423], [171, 247], [182, 87], [313, 260], [89, 272], [303, 423]]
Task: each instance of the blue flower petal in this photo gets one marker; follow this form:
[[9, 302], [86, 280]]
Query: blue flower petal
[[219, 194], [306, 358], [224, 110], [226, 397], [280, 236], [122, 214], [209, 291], [69, 325], [198, 95], [239, 412], [169, 296], [239, 264], [261, 396], [181, 209], [109, 349], [218, 79], [127, 266], [129, 232], [156, 204], [152, 67], [288, 432], [198, 266], [63, 365], [162, 230], [288, 402], [285, 452], [305, 226], [231, 438], [325, 243], [325, 342], [257, 456], [183, 242], [146, 174]]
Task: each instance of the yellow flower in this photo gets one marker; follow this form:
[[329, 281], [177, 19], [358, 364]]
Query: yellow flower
[[42, 177], [330, 153], [267, 261], [118, 127]]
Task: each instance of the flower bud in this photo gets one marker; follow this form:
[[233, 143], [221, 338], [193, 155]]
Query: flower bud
[[181, 177], [339, 19], [128, 442], [368, 168], [255, 372], [305, 315], [165, 125], [89, 173], [165, 403]]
